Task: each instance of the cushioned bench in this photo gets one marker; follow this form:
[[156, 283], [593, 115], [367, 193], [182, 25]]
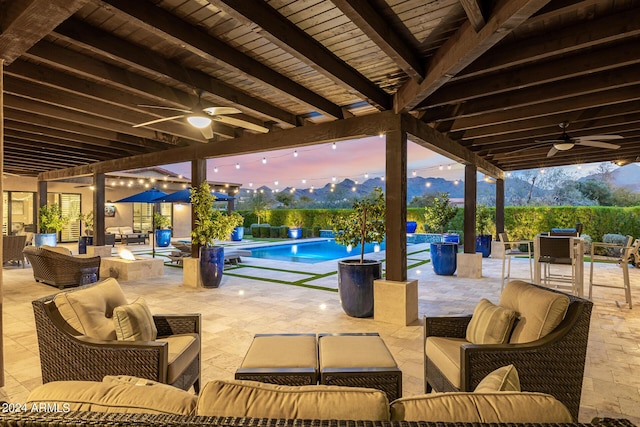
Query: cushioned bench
[[359, 360], [287, 359]]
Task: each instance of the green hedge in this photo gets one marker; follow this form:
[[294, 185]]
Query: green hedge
[[521, 222]]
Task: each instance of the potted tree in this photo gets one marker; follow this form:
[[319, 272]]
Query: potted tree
[[437, 216], [364, 224], [51, 223], [296, 220], [210, 225], [162, 232], [484, 218], [87, 239]]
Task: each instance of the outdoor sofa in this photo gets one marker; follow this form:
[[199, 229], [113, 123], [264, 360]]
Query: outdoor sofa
[[56, 266], [126, 235], [123, 400]]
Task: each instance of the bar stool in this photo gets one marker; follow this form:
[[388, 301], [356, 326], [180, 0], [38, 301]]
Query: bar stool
[[627, 253]]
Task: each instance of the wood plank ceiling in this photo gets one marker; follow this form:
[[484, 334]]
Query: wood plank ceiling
[[492, 76]]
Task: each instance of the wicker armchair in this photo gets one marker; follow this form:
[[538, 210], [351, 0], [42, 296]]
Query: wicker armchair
[[553, 364], [57, 267], [12, 247], [66, 354]]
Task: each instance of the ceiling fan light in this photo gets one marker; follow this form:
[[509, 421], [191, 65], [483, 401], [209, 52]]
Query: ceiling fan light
[[199, 122], [564, 146]]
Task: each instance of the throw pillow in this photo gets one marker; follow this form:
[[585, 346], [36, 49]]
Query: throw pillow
[[502, 379], [490, 324], [134, 322]]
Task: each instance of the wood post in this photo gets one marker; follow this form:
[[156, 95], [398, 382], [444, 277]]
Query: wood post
[[98, 209], [396, 202], [198, 176], [499, 206], [470, 185]]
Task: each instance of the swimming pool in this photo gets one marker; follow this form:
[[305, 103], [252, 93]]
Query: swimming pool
[[311, 252]]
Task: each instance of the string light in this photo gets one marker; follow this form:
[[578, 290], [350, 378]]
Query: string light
[[215, 169], [264, 160], [295, 153], [334, 146], [237, 165]]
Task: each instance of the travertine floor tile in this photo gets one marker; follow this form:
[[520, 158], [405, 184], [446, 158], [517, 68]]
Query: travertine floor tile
[[244, 306]]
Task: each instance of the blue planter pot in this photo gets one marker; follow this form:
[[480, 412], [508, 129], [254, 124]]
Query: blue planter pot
[[237, 234], [443, 258], [294, 233], [451, 238], [355, 286], [83, 242], [163, 238], [42, 239], [411, 227], [211, 266], [483, 244]]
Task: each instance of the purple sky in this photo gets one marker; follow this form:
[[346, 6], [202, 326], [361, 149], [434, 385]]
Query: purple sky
[[318, 164]]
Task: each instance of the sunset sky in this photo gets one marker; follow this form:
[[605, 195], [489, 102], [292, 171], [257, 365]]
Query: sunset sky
[[318, 165]]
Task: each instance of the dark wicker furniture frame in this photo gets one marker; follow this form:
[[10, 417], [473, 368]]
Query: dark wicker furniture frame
[[553, 364], [12, 247], [58, 269], [66, 355], [293, 376], [388, 380], [69, 419]]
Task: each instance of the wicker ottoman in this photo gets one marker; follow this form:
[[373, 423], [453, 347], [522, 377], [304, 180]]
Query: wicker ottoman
[[359, 360], [286, 359]]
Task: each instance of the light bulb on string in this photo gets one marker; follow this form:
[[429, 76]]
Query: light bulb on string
[[295, 153], [215, 169], [333, 178], [334, 146], [264, 160], [237, 165]]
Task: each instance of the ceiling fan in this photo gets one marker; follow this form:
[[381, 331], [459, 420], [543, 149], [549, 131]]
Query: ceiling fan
[[201, 118], [565, 142]]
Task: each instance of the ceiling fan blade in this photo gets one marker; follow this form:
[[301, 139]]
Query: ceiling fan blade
[[241, 123], [550, 141], [207, 132], [552, 152], [599, 144], [158, 121], [212, 111], [597, 138], [160, 107]]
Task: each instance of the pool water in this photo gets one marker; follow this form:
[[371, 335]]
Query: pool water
[[312, 252]]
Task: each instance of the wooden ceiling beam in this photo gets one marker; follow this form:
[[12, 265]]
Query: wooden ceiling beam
[[71, 126], [427, 137], [544, 128], [599, 32], [340, 130], [545, 93], [463, 48], [551, 108], [84, 110], [24, 22], [49, 152], [383, 34], [81, 34], [474, 13], [281, 32], [17, 132], [555, 70], [162, 23], [117, 117]]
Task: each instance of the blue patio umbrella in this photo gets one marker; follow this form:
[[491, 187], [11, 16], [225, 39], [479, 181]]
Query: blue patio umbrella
[[184, 196], [147, 196]]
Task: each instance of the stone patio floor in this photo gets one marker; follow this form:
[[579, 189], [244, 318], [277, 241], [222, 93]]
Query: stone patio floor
[[261, 296]]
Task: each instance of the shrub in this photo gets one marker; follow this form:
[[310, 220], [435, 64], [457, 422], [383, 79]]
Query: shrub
[[284, 232], [274, 232], [264, 230]]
